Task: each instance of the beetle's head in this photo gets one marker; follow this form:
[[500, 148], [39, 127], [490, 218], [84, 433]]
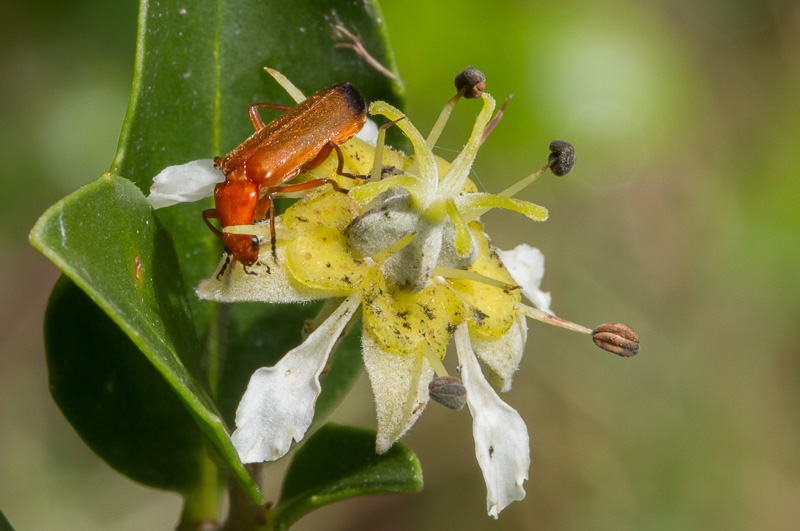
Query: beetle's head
[[236, 203], [243, 247]]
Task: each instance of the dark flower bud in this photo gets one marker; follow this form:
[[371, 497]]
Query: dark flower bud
[[618, 338], [562, 157], [473, 80], [448, 391]]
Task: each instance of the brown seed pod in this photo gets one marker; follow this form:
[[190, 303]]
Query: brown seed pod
[[618, 338]]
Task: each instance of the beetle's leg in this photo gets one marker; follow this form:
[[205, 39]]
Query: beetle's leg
[[340, 165], [258, 122], [320, 157], [224, 266], [267, 205], [211, 213], [323, 154], [272, 237], [308, 185]]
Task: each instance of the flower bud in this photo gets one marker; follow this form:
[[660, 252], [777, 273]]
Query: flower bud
[[562, 157], [448, 391], [618, 338], [473, 79]]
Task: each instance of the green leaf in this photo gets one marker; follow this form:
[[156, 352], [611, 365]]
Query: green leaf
[[198, 67], [106, 238], [339, 462], [114, 398], [5, 525]]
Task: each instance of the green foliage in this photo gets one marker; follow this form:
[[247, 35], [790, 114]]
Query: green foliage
[[5, 525], [339, 462], [116, 400], [130, 271]]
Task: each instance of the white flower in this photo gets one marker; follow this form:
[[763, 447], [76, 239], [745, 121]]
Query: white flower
[[526, 265], [419, 272], [184, 183], [278, 405], [501, 438], [408, 250]]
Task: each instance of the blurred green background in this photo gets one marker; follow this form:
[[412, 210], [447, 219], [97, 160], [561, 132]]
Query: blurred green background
[[682, 219]]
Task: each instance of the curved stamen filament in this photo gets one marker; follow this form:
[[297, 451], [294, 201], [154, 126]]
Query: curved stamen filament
[[287, 85], [473, 205], [539, 315], [367, 192], [424, 157], [382, 256], [435, 360], [463, 242], [451, 184], [463, 274], [261, 230], [438, 127]]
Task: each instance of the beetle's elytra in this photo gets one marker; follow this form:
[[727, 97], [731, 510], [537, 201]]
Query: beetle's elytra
[[299, 139]]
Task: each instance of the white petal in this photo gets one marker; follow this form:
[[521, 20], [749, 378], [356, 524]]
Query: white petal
[[526, 265], [270, 282], [504, 353], [369, 133], [278, 405], [502, 445], [400, 385], [184, 183]]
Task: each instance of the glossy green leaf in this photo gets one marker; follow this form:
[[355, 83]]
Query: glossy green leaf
[[116, 400], [337, 463], [106, 238], [198, 67], [5, 525]]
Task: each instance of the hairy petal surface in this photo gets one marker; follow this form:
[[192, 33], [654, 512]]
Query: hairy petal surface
[[184, 183], [400, 385], [266, 282], [278, 405], [502, 354], [526, 265], [502, 445]]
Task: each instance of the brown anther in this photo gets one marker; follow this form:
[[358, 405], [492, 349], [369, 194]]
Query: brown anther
[[562, 157], [618, 338], [448, 391], [473, 79]]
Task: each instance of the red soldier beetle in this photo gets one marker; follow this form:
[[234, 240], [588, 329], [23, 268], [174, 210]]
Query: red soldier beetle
[[300, 139]]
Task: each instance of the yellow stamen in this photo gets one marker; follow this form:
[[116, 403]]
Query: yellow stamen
[[367, 192], [261, 230], [287, 85], [384, 255], [438, 127], [539, 315], [434, 360], [447, 272], [473, 205], [522, 183], [463, 243]]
